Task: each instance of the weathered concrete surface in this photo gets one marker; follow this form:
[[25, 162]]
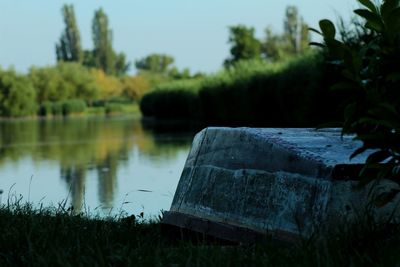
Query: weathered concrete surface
[[280, 181]]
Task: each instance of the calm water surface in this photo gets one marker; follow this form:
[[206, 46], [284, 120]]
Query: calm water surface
[[100, 165]]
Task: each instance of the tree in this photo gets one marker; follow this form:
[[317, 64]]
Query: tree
[[180, 75], [244, 45], [134, 87], [156, 63], [17, 95], [69, 47], [121, 66], [272, 48], [294, 40], [63, 81], [295, 31], [103, 54], [109, 86]]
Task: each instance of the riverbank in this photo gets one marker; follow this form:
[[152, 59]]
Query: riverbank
[[55, 237], [130, 109]]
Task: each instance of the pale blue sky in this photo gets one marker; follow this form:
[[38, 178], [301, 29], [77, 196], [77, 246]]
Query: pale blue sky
[[195, 32]]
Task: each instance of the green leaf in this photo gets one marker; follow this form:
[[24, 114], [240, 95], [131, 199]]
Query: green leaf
[[350, 110], [315, 30], [388, 6], [384, 198], [378, 157], [368, 174], [393, 77], [386, 112], [317, 44], [358, 151], [369, 5], [345, 86], [374, 21], [327, 28], [349, 75], [378, 122], [392, 21], [372, 137], [352, 61], [336, 47]]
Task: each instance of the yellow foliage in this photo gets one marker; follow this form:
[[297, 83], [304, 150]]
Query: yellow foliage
[[109, 86], [134, 87]]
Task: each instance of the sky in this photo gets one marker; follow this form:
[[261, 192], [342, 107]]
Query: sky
[[194, 32]]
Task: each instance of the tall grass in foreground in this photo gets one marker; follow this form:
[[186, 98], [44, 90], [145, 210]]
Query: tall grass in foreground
[[54, 237]]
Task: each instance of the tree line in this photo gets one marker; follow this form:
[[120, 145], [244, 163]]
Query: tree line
[[103, 56], [99, 75], [244, 45], [293, 41]]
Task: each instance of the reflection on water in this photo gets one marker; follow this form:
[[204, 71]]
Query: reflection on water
[[98, 164]]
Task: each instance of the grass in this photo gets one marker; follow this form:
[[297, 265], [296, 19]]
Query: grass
[[131, 108], [55, 237]]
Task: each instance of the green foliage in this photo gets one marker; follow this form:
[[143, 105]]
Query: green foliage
[[354, 34], [17, 95], [156, 63], [64, 81], [244, 45], [180, 75], [73, 106], [253, 93], [263, 95], [174, 100], [65, 108], [57, 108], [48, 108], [371, 80], [134, 87], [114, 108], [293, 41], [295, 31], [45, 109], [121, 65], [69, 47], [103, 54]]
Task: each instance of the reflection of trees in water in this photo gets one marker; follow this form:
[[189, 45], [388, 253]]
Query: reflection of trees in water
[[107, 174], [83, 145], [74, 176], [106, 170]]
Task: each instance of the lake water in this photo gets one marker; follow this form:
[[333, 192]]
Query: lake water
[[98, 165]]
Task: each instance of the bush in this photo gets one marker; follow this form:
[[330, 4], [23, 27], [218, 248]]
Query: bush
[[291, 94], [62, 82], [175, 100], [113, 108], [45, 109], [171, 104], [17, 95], [371, 81], [73, 106], [252, 93], [135, 87], [57, 108]]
